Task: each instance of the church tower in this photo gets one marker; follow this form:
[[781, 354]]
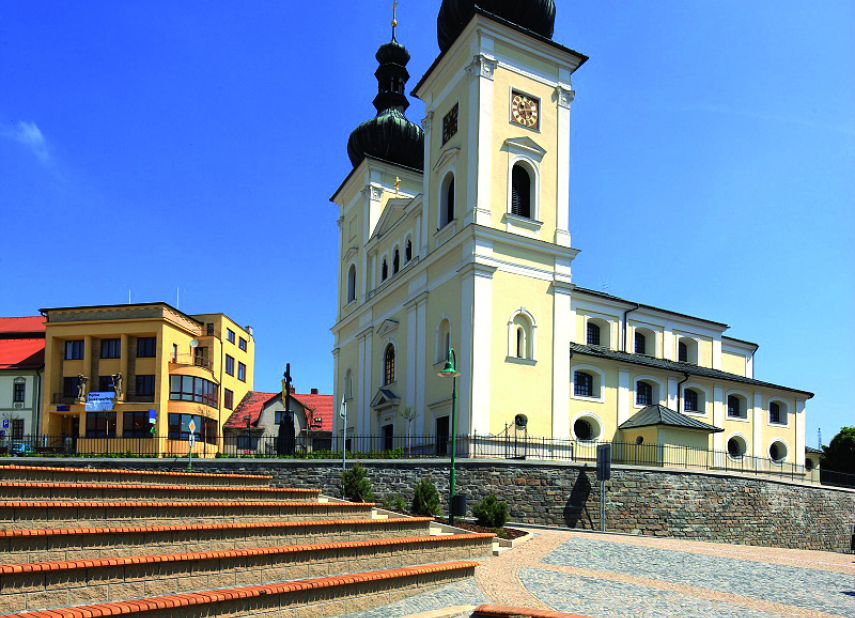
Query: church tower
[[465, 242]]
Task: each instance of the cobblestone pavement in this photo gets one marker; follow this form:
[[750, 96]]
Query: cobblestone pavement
[[606, 576]]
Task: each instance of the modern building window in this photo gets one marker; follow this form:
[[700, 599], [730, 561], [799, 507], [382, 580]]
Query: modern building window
[[384, 270], [228, 399], [230, 365], [241, 372], [100, 424], [189, 388], [230, 335], [209, 329], [643, 393], [446, 205], [408, 250], [111, 348], [136, 425], [583, 384], [242, 343], [74, 350], [396, 262], [640, 344], [351, 283], [690, 400], [593, 334], [179, 427], [146, 347], [520, 191], [145, 386], [69, 386], [17, 429], [389, 365], [19, 392], [105, 384]]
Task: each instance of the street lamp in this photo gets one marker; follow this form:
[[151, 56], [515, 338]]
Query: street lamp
[[449, 371]]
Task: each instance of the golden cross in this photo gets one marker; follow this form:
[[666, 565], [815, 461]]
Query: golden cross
[[394, 18], [397, 184]]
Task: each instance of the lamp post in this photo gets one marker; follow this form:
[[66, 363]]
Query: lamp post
[[449, 371]]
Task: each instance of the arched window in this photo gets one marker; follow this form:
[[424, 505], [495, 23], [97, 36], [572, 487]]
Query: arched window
[[389, 365], [643, 393], [396, 262], [734, 406], [690, 400], [446, 201], [351, 283], [683, 353], [443, 340], [687, 350], [640, 343], [520, 191], [408, 251], [384, 270], [520, 342], [521, 335], [593, 334], [583, 384]]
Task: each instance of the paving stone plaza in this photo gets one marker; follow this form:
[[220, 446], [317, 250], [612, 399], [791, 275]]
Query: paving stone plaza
[[617, 576]]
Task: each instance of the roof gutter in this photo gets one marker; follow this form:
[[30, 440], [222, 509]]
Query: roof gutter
[[685, 379], [626, 313]]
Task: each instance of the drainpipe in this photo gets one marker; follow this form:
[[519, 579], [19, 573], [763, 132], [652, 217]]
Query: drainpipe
[[680, 393], [626, 313]]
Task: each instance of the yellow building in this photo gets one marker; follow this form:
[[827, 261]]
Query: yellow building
[[458, 236], [151, 360]]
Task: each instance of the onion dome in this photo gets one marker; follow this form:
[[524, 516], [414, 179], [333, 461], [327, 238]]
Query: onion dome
[[535, 15], [389, 135]]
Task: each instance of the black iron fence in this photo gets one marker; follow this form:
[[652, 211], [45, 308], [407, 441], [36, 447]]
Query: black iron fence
[[509, 446]]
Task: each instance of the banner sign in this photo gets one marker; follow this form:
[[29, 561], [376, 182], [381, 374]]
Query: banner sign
[[99, 402], [63, 408], [152, 416]]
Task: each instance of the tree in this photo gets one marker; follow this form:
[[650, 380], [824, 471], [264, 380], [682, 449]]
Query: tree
[[408, 414], [840, 454]]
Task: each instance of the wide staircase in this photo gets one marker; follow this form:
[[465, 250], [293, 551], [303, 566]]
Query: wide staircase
[[84, 543]]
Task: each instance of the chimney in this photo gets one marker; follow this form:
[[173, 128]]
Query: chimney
[[314, 391], [293, 389]]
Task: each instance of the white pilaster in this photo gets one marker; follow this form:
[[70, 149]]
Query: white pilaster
[[421, 313], [337, 391], [623, 396], [757, 421], [716, 354], [672, 393], [363, 420], [474, 357], [718, 417], [668, 345], [561, 360], [562, 234], [412, 355], [422, 230], [801, 432], [480, 138]]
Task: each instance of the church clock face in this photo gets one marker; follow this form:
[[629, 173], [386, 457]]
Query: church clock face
[[524, 110], [449, 124]]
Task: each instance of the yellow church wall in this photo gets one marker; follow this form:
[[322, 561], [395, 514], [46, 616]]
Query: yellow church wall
[[605, 406], [523, 256], [518, 385], [504, 82], [733, 363], [678, 437], [532, 62]]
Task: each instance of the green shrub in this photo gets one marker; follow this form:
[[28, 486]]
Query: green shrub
[[491, 513], [426, 499], [395, 502], [357, 488]]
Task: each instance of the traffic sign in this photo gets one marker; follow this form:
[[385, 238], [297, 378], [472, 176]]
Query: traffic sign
[[5, 423], [192, 426]]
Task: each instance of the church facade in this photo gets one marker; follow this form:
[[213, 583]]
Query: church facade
[[457, 234]]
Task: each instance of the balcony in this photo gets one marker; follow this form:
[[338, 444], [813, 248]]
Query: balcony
[[63, 398], [192, 359], [139, 397]]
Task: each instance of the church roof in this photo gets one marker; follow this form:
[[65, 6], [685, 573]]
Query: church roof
[[675, 366], [660, 415], [643, 306]]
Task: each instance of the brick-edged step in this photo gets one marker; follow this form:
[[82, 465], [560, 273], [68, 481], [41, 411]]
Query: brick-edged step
[[501, 611], [40, 545], [15, 472], [324, 596], [88, 492], [30, 515], [47, 585]]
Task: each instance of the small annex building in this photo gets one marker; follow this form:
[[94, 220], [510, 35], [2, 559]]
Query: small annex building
[[22, 361]]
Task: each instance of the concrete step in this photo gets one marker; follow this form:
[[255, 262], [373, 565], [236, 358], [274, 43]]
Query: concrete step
[[501, 611], [109, 492], [27, 546], [323, 596], [49, 585], [23, 515], [60, 474]]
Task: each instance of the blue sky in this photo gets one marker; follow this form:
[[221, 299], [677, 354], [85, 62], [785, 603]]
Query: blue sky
[[150, 146]]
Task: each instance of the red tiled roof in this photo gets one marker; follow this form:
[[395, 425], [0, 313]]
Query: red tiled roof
[[26, 325], [249, 408], [22, 353], [323, 409]]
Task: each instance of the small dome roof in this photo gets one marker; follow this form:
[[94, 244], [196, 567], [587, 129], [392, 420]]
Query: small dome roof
[[392, 53], [535, 15], [388, 136]]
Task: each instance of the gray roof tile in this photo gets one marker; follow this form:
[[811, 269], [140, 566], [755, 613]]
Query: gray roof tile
[[660, 415]]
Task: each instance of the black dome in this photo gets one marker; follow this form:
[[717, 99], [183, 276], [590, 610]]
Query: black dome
[[389, 135], [535, 15]]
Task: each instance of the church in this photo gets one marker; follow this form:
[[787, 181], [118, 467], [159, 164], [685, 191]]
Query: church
[[456, 235]]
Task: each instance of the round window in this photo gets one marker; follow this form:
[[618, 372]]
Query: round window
[[777, 451], [583, 430], [639, 440], [736, 447], [808, 464]]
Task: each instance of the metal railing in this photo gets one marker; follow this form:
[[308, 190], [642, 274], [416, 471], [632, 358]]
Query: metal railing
[[474, 446], [192, 359]]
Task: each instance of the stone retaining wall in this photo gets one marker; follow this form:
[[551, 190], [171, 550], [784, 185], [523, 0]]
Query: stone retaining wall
[[693, 505]]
